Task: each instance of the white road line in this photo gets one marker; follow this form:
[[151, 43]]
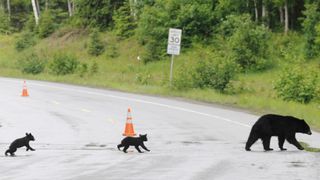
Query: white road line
[[85, 110], [146, 102]]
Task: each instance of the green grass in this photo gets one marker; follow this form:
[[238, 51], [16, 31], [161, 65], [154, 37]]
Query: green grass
[[308, 148], [126, 73]]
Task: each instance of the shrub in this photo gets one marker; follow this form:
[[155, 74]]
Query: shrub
[[63, 64], [152, 52], [143, 78], [24, 41], [248, 42], [94, 68], [96, 46], [112, 51], [215, 73], [30, 24], [296, 84], [32, 64], [46, 24], [183, 78], [4, 22], [309, 24], [83, 69]]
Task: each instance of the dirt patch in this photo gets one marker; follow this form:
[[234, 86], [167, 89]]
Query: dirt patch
[[95, 145], [69, 34], [190, 142], [297, 164], [308, 148]]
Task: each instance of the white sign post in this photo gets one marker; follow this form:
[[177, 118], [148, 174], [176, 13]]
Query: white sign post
[[174, 41]]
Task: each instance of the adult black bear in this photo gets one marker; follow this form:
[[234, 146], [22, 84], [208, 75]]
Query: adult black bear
[[20, 143], [285, 127], [134, 141]]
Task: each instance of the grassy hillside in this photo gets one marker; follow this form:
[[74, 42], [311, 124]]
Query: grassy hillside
[[119, 68]]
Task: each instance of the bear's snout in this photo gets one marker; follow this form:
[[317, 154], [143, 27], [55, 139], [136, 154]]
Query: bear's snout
[[309, 133]]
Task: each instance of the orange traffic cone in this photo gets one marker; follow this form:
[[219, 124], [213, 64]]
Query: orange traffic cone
[[129, 126], [25, 90]]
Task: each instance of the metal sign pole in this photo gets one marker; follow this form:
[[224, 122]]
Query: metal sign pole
[[173, 48], [171, 69]]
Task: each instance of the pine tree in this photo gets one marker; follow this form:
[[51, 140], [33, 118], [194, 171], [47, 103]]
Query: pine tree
[[4, 22], [124, 21], [96, 46]]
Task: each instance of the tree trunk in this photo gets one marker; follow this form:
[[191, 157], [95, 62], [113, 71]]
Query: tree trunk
[[281, 15], [46, 5], [133, 9], [256, 10], [35, 7], [265, 13], [292, 16], [70, 8], [264, 10], [286, 17], [9, 10]]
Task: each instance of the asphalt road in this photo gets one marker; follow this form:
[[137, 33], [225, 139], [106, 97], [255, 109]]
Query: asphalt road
[[77, 130]]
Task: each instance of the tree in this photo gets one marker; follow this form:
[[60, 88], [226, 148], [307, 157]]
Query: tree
[[96, 46], [310, 23], [194, 17], [9, 9], [97, 13], [4, 22], [247, 42], [70, 7], [36, 10], [46, 25], [286, 17], [124, 21]]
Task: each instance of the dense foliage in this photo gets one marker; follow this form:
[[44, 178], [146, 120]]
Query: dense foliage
[[63, 64], [297, 84], [32, 64]]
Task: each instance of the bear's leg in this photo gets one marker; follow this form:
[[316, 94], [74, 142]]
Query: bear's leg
[[11, 151], [29, 147], [144, 147], [137, 147], [7, 151], [253, 137], [125, 148], [281, 142], [266, 143], [293, 140], [120, 146]]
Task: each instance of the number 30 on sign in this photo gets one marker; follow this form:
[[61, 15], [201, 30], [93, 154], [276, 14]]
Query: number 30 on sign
[[174, 41]]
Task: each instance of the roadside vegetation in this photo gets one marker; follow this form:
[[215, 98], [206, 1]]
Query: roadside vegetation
[[231, 55]]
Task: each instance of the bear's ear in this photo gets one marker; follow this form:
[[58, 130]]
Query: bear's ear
[[140, 135], [27, 134]]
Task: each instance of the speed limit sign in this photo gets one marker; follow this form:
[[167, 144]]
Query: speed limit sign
[[174, 41]]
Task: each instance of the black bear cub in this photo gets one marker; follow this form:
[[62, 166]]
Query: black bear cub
[[285, 127], [134, 141], [20, 143]]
